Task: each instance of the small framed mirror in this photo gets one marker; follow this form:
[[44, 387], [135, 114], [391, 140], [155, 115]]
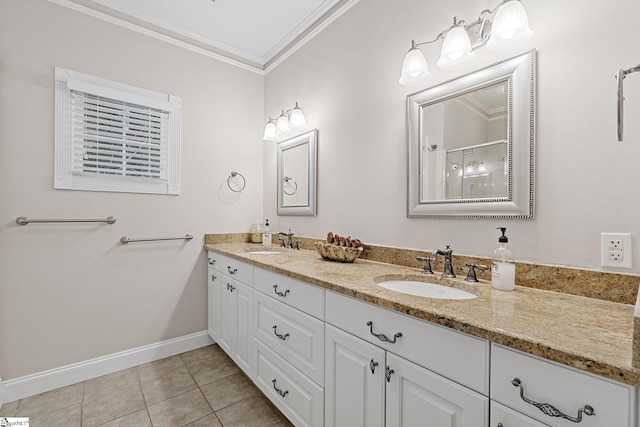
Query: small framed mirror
[[471, 144], [297, 175]]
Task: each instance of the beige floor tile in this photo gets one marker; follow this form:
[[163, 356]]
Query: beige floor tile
[[108, 384], [137, 419], [180, 410], [226, 391], [123, 401], [164, 379], [9, 409], [209, 364], [209, 421], [283, 423], [252, 412], [65, 417], [50, 401]]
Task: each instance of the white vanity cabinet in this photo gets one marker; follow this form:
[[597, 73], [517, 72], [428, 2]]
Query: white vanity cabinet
[[543, 389], [288, 354], [232, 303], [374, 384], [326, 359]]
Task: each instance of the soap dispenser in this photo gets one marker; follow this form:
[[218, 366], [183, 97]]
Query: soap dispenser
[[503, 269], [266, 236]]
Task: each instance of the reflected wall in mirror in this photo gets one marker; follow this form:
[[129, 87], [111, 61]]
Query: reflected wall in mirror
[[297, 175], [471, 144]]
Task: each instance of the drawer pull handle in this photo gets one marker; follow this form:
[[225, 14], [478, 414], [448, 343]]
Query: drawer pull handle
[[372, 366], [388, 374], [234, 271], [230, 287], [282, 337], [280, 392], [212, 261], [551, 410], [280, 294], [213, 278], [383, 337]]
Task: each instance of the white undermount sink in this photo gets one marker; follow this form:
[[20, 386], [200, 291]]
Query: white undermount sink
[[426, 289], [264, 252]]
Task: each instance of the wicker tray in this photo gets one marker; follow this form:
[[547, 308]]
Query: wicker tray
[[337, 253]]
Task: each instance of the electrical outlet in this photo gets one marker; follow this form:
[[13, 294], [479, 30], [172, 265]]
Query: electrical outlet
[[615, 250]]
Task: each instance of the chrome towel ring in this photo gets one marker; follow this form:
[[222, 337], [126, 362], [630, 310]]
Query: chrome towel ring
[[295, 189], [233, 175]]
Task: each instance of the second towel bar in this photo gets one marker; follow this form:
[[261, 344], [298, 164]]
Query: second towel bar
[[23, 220], [124, 239]]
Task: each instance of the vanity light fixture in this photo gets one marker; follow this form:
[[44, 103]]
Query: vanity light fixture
[[504, 26], [288, 120]]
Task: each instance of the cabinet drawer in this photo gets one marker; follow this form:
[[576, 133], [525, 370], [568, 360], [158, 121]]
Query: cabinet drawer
[[564, 388], [294, 335], [455, 355], [235, 269], [299, 398], [501, 416], [295, 293]]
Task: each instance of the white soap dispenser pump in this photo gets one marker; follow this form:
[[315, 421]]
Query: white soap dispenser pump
[[266, 236], [503, 269]]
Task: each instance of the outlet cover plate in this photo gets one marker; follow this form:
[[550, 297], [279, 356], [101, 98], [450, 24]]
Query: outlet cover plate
[[615, 250]]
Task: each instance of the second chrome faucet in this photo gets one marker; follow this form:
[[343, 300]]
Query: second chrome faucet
[[287, 241], [448, 267]]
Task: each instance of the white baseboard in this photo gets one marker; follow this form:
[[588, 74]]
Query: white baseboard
[[40, 382]]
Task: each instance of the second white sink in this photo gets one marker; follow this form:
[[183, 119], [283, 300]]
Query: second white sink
[[264, 252], [426, 289]]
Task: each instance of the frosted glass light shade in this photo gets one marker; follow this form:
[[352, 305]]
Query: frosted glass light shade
[[510, 26], [414, 67], [283, 123], [270, 131], [297, 119], [456, 49]]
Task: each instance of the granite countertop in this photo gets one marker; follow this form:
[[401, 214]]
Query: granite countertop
[[586, 333]]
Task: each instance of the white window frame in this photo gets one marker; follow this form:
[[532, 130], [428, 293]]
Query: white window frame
[[70, 173]]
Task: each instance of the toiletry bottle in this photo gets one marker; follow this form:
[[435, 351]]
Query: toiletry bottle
[[503, 269], [266, 236]]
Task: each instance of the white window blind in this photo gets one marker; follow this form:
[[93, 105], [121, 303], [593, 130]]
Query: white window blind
[[111, 137]]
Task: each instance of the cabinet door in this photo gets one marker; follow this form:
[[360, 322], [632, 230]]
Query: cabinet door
[[213, 300], [243, 313], [354, 381], [419, 397], [226, 330]]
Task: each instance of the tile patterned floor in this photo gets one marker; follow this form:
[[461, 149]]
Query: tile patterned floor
[[200, 388]]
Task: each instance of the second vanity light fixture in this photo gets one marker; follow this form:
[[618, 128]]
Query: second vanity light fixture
[[507, 24], [289, 120]]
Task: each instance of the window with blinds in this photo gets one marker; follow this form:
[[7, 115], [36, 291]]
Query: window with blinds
[[112, 137]]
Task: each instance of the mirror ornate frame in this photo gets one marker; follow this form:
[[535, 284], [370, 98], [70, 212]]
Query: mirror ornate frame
[[519, 74], [297, 174]]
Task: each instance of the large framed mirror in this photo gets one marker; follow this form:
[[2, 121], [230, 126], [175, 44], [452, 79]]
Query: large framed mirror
[[297, 174], [471, 144]]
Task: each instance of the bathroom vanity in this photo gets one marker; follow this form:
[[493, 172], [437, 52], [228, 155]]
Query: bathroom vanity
[[330, 347]]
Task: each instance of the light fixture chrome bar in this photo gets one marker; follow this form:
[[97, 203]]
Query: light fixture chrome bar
[[124, 239], [23, 220], [620, 76]]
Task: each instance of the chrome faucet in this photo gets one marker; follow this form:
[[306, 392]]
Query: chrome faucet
[[288, 241], [448, 267]]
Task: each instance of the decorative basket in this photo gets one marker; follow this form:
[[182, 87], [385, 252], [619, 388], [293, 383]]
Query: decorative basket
[[337, 253]]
